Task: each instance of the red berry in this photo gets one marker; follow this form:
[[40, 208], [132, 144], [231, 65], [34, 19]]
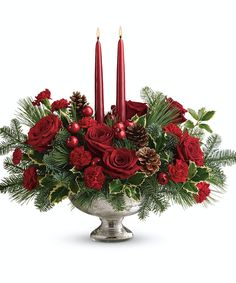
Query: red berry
[[163, 178], [129, 123], [119, 125], [95, 161], [120, 135], [73, 128], [87, 111], [72, 142]]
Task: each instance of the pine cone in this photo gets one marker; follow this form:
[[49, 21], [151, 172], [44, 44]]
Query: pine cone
[[138, 135], [149, 160], [80, 101]]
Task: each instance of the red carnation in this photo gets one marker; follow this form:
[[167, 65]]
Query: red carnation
[[203, 192], [87, 122], [30, 178], [99, 139], [79, 157], [59, 104], [135, 108], [46, 94], [43, 132], [94, 177], [179, 171], [120, 163], [173, 129], [189, 149], [181, 111], [17, 156]]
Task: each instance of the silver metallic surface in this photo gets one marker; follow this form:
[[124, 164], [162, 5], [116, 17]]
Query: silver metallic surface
[[111, 228]]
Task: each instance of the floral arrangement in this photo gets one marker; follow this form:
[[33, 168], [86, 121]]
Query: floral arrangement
[[156, 155]]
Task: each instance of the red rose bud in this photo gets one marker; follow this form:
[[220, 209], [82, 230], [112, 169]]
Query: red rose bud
[[203, 192], [179, 171], [163, 178], [30, 178], [17, 156], [135, 108], [74, 128], [189, 149], [95, 161], [87, 111], [94, 177], [87, 122], [72, 142], [120, 163], [173, 129], [59, 104], [40, 136], [180, 110], [79, 157], [46, 94]]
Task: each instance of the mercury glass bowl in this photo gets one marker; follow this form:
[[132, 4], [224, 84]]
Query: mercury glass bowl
[[111, 228]]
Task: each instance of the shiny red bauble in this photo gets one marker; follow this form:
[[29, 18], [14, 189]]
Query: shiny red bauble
[[72, 142], [87, 111], [163, 178], [73, 128], [129, 123], [95, 161], [120, 135], [119, 126]]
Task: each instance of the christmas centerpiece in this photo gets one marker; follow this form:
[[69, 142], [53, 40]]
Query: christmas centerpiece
[[139, 157]]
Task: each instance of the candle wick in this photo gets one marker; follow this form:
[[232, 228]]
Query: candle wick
[[120, 32], [98, 33]]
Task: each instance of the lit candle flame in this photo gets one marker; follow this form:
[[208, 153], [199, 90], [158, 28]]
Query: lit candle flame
[[120, 32], [98, 33]]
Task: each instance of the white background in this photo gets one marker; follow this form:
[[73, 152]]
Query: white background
[[186, 49]]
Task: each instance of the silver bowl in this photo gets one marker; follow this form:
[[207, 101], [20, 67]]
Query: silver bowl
[[111, 228]]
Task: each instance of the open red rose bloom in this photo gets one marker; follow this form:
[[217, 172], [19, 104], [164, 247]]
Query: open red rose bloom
[[158, 155]]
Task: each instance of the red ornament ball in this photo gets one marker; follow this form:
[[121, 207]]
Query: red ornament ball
[[119, 126], [95, 161], [73, 128], [87, 111], [129, 123], [163, 178], [72, 142], [120, 135]]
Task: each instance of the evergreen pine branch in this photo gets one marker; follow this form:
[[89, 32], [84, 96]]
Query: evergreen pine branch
[[14, 169], [11, 184], [212, 144], [28, 114], [217, 176], [42, 201], [117, 201], [225, 157]]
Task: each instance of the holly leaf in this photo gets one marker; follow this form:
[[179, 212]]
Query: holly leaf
[[189, 124], [192, 170], [115, 186], [201, 175], [208, 115], [206, 127], [193, 114], [132, 192], [58, 194], [141, 120], [137, 179], [190, 187]]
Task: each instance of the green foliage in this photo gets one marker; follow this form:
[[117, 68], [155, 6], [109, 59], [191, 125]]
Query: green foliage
[[202, 174], [117, 201], [190, 187], [160, 113], [116, 186], [14, 169], [212, 144], [12, 137], [137, 179], [41, 200]]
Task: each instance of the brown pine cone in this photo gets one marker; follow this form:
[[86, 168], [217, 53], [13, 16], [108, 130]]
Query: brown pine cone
[[138, 135], [80, 101], [149, 160]]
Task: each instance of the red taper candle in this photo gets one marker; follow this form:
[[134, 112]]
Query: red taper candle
[[120, 80], [99, 100]]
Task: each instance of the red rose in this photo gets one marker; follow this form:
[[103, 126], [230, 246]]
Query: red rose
[[120, 163], [30, 178], [17, 156], [94, 177], [87, 122], [99, 138], [179, 171], [80, 157], [43, 132], [189, 149], [133, 108], [59, 104], [46, 94], [181, 111], [203, 192], [173, 129]]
